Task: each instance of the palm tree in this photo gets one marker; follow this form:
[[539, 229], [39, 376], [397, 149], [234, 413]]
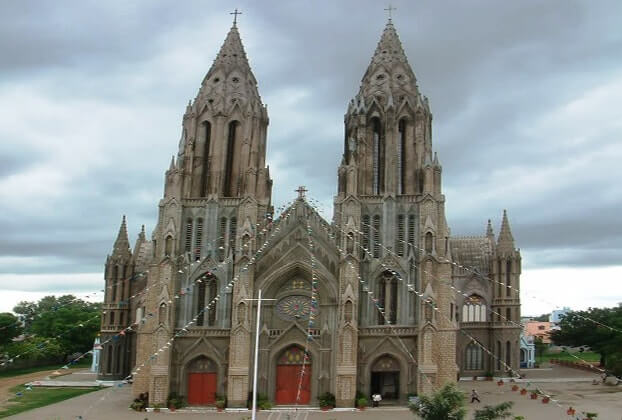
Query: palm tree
[[445, 404], [490, 412]]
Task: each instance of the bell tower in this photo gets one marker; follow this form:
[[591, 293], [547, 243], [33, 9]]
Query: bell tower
[[389, 191], [223, 142], [217, 189]]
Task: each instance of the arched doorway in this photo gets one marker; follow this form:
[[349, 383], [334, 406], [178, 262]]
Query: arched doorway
[[202, 381], [385, 378], [292, 374]]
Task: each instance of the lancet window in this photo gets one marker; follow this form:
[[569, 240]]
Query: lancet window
[[365, 230], [399, 240], [229, 184], [198, 238], [376, 236], [474, 309], [473, 357], [387, 298], [205, 296], [188, 236], [208, 137], [401, 156], [377, 158], [508, 278]]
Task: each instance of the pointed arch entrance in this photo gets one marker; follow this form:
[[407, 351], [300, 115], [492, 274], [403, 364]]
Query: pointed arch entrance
[[385, 378], [202, 381], [292, 373]]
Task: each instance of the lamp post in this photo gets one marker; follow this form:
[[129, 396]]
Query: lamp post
[[259, 300]]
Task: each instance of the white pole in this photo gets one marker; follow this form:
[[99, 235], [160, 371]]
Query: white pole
[[254, 412]]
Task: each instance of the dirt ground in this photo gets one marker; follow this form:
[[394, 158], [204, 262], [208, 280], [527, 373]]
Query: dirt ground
[[8, 383]]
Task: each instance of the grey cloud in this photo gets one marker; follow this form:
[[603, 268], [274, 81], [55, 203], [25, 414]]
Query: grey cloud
[[491, 70]]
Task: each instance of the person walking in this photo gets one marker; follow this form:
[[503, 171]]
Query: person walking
[[474, 396]]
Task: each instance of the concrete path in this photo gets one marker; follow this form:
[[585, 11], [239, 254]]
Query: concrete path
[[113, 403]]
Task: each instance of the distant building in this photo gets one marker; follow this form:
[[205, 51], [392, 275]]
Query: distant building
[[527, 351], [557, 315], [537, 329]]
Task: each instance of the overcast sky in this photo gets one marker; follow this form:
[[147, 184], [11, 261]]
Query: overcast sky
[[526, 97]]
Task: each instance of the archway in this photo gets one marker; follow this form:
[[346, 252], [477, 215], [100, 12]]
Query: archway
[[293, 377], [385, 378], [202, 381]]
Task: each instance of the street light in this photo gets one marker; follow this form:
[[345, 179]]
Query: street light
[[259, 300]]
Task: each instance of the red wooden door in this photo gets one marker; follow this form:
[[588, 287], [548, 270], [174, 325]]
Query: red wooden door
[[201, 388], [287, 382]]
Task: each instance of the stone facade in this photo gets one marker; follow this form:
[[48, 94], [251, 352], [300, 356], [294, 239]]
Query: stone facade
[[382, 299]]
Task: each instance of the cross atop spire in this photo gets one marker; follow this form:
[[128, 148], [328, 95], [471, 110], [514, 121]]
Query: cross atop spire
[[301, 192], [390, 9], [235, 14]]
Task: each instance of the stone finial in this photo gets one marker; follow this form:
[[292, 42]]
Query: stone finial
[[505, 242], [489, 231], [122, 243]]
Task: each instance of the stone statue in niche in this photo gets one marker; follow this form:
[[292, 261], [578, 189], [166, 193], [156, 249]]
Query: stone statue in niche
[[348, 311], [350, 243], [428, 310], [241, 312]]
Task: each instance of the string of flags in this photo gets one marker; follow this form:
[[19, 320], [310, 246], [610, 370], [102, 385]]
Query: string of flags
[[313, 309], [486, 278], [429, 302], [273, 229]]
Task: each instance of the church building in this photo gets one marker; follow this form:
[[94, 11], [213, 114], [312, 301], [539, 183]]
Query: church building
[[382, 299]]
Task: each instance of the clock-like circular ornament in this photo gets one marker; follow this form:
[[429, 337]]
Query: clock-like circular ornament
[[294, 307]]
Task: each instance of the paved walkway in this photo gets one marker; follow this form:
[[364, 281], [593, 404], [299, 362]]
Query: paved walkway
[[113, 403]]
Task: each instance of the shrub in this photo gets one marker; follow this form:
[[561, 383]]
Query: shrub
[[327, 399]]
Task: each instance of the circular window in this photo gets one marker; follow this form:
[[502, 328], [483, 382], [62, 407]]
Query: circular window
[[295, 307], [216, 80]]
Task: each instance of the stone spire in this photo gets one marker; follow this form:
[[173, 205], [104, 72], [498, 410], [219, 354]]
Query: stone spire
[[122, 243], [231, 56], [505, 242], [388, 54]]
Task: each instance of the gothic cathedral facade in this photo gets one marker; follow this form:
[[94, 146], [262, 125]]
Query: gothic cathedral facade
[[380, 300]]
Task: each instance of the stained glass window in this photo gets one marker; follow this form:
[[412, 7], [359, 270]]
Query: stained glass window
[[294, 307]]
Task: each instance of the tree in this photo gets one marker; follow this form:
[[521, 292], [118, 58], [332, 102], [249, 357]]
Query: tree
[[36, 348], [72, 322], [445, 404], [590, 328], [542, 318], [540, 348], [27, 311], [493, 412], [10, 327]]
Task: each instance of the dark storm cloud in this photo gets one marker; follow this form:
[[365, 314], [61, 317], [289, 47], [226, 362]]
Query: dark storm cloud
[[92, 96]]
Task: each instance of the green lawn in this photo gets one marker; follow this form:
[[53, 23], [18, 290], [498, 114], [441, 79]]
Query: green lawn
[[588, 356], [83, 363], [39, 397]]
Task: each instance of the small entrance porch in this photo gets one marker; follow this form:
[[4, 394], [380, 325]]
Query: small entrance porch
[[202, 382], [293, 378], [385, 379]]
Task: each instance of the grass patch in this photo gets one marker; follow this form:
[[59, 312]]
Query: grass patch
[[84, 363], [588, 356], [39, 397]]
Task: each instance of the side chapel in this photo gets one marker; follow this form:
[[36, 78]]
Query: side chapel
[[379, 281]]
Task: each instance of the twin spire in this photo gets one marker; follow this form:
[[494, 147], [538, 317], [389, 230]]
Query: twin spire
[[122, 243], [505, 241], [231, 54]]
